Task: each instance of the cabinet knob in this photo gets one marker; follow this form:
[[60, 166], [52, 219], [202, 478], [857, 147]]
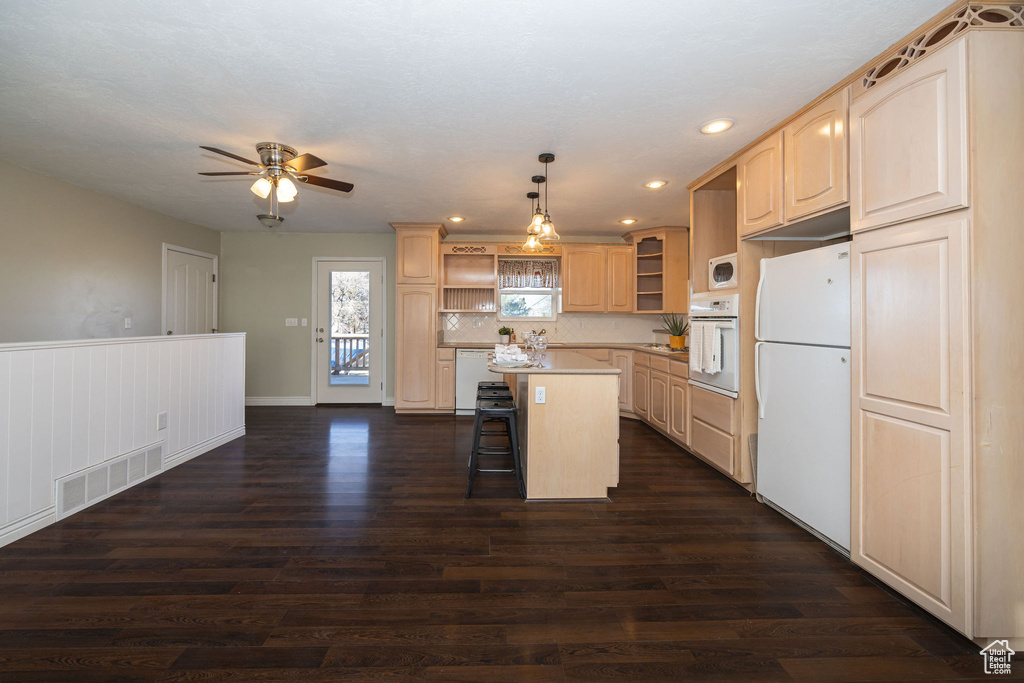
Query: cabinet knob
[[830, 280], [843, 358]]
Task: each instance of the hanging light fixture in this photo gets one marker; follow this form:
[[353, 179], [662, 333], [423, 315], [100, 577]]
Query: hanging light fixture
[[547, 228], [532, 230]]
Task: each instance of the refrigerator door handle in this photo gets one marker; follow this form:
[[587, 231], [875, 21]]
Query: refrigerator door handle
[[757, 379], [757, 300]]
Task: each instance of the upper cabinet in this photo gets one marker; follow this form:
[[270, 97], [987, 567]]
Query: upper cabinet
[[909, 144], [814, 150], [759, 186], [796, 173], [619, 297], [583, 278], [662, 269], [416, 252]]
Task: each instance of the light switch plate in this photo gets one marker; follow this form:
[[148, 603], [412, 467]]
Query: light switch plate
[[538, 395], [305, 322], [161, 420], [291, 322], [128, 323]]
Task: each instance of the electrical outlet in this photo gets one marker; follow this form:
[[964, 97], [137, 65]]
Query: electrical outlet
[[128, 323], [161, 420], [305, 322], [538, 395], [291, 322]]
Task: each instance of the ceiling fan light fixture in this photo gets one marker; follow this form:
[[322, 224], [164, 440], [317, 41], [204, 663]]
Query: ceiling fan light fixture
[[286, 190], [262, 187]]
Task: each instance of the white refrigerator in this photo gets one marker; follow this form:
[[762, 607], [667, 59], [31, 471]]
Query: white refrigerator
[[802, 367]]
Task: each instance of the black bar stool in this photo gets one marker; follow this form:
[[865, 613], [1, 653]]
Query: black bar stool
[[492, 410], [498, 391], [491, 385]]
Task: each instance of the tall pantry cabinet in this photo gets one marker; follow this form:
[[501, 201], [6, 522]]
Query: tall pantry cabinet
[[416, 282], [937, 157]]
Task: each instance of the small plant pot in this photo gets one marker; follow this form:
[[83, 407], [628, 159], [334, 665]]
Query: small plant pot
[[503, 338], [677, 342]]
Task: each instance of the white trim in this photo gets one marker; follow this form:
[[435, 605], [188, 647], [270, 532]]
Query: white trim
[[24, 346], [388, 401], [279, 400], [384, 319], [200, 448], [163, 282], [27, 525]]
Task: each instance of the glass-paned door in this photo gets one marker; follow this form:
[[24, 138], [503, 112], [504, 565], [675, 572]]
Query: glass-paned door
[[349, 332]]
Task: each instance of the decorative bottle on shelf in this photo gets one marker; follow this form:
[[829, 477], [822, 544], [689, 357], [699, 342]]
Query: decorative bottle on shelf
[[512, 336]]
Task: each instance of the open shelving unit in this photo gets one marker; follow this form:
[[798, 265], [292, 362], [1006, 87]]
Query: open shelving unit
[[469, 282], [661, 265]]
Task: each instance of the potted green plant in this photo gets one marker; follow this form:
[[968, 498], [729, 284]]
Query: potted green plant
[[677, 327], [503, 334]]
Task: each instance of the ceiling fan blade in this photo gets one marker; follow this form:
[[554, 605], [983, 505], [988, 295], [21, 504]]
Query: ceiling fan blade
[[326, 182], [233, 156], [232, 173], [304, 162]]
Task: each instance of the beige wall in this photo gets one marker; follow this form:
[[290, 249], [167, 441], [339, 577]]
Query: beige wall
[[267, 277], [74, 263]]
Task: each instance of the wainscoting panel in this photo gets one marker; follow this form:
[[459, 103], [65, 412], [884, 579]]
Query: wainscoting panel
[[69, 406]]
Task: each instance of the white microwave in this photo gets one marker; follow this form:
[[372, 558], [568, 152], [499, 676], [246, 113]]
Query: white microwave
[[722, 272]]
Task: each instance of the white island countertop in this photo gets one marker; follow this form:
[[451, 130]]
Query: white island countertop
[[560, 364]]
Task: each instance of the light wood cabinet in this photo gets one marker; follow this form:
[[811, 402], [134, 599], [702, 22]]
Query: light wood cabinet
[[678, 409], [661, 269], [641, 389], [759, 186], [446, 379], [415, 356], [814, 152], [619, 298], [909, 144], [658, 409], [583, 278], [623, 360], [713, 426], [416, 252], [910, 502]]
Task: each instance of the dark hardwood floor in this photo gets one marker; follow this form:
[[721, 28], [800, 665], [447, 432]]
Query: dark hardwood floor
[[335, 544]]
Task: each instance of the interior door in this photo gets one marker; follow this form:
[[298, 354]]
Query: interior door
[[190, 292], [349, 331]]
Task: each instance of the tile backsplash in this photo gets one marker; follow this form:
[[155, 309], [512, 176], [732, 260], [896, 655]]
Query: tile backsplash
[[569, 328]]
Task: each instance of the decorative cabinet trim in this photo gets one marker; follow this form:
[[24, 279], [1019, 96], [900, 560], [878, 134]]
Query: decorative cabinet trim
[[972, 16]]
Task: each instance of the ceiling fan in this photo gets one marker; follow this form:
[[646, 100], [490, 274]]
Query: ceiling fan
[[279, 166]]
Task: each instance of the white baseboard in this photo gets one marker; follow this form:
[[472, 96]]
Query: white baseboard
[[278, 401], [27, 525], [388, 401], [200, 448]]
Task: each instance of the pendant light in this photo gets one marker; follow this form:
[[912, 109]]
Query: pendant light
[[547, 228], [532, 243]]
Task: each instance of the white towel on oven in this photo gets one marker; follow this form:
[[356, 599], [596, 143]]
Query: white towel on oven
[[708, 355], [716, 349], [696, 345]]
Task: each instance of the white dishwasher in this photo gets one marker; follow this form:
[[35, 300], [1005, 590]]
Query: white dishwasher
[[470, 368]]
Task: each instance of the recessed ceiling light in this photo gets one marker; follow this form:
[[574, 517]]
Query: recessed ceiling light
[[716, 126], [656, 184], [456, 219], [628, 221]]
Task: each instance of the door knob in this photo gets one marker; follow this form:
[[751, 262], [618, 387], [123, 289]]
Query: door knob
[[320, 340], [320, 330], [169, 332]]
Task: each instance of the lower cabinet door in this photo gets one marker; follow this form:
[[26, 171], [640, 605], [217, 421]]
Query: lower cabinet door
[[713, 445], [658, 410], [446, 385], [641, 390], [678, 409]]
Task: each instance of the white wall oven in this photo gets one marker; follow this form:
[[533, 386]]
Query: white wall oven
[[723, 311]]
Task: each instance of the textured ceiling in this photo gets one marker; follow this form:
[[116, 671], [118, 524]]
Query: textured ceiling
[[432, 108]]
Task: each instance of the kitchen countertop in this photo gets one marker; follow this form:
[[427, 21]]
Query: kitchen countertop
[[634, 346], [560, 364]]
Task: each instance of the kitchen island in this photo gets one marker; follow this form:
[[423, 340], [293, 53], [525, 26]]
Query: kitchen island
[[569, 443]]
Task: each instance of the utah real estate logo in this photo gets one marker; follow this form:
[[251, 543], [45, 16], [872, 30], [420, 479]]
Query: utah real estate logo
[[997, 657]]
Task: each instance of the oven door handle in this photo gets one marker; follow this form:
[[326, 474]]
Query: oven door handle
[[757, 379]]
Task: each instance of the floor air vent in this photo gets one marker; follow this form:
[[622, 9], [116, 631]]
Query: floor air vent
[[83, 488]]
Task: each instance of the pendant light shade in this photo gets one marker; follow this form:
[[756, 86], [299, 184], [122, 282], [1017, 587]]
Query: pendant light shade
[[262, 187], [547, 228], [532, 244]]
